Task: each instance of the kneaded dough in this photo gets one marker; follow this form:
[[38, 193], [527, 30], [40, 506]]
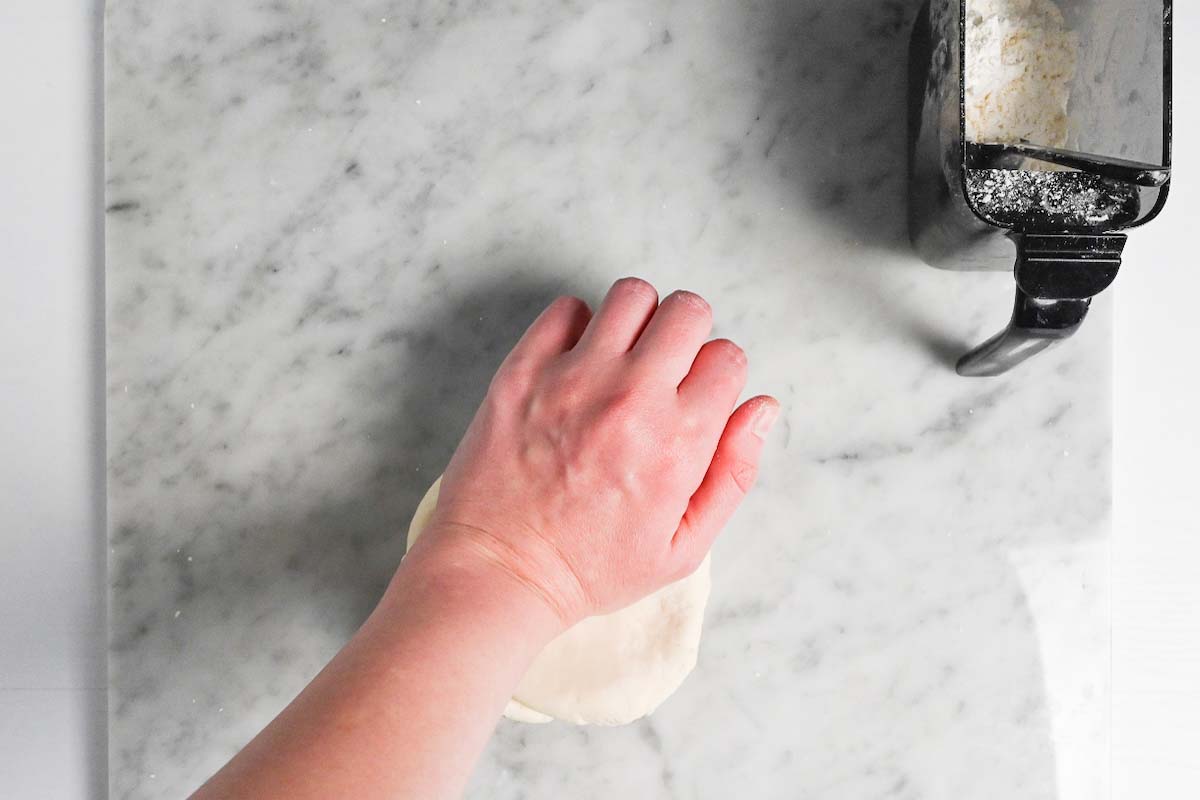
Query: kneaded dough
[[611, 669], [518, 712]]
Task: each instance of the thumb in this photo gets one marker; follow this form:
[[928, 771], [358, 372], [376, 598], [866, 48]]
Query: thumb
[[732, 472]]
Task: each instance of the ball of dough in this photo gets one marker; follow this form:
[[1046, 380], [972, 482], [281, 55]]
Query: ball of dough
[[517, 712], [611, 669]]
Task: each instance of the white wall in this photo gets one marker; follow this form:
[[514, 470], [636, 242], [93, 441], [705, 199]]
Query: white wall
[[52, 714]]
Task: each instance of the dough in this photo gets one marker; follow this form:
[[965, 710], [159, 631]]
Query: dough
[[522, 713], [611, 669]]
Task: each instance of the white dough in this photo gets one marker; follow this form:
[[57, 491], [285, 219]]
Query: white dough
[[518, 712], [611, 669]]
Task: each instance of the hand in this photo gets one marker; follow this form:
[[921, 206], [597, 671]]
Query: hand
[[607, 455], [603, 462]]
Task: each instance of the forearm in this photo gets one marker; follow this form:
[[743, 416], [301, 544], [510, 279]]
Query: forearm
[[607, 455], [407, 706]]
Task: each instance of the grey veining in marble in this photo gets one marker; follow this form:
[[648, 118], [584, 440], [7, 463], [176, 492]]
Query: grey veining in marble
[[328, 221]]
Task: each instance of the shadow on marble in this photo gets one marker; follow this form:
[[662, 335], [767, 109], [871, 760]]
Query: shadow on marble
[[837, 101], [272, 583], [835, 97], [443, 364]]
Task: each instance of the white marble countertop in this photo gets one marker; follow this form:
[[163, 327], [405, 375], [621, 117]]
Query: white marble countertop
[[30, 669]]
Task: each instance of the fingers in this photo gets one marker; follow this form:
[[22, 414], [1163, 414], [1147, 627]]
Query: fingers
[[554, 332], [730, 475], [621, 318], [674, 335], [716, 379]]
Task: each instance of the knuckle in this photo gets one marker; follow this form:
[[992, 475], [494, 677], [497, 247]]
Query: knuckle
[[622, 419], [743, 474], [517, 366], [511, 383], [689, 421], [693, 429], [622, 408]]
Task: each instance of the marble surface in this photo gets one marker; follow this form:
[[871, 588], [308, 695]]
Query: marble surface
[[326, 224]]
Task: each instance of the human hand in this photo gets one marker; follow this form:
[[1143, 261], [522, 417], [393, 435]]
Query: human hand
[[607, 455]]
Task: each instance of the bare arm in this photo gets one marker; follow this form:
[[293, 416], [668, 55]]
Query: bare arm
[[607, 456]]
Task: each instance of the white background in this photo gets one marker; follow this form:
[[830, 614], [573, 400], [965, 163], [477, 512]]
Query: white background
[[52, 553]]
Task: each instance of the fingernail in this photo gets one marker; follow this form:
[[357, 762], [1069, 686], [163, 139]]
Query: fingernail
[[764, 420]]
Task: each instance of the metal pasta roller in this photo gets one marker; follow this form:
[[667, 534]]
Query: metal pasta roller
[[1038, 130]]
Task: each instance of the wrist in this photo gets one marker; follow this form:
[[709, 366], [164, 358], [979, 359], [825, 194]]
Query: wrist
[[448, 575]]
